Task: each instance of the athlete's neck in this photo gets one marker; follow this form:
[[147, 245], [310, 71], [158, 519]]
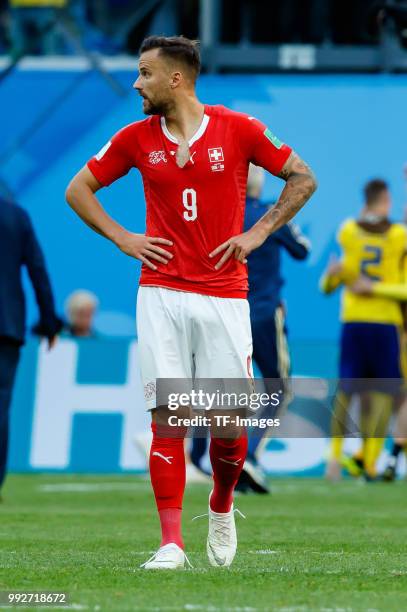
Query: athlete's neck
[[184, 119], [374, 215]]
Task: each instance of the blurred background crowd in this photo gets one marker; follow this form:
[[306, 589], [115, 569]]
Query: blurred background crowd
[[43, 27]]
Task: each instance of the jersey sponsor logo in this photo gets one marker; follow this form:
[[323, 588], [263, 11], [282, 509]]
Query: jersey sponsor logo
[[156, 157], [273, 139], [103, 150]]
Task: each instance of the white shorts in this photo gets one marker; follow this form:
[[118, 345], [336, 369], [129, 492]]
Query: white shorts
[[191, 336]]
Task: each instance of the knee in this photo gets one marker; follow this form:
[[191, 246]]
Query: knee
[[161, 424]]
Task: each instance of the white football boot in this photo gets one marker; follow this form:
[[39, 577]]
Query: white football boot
[[221, 544], [170, 557]]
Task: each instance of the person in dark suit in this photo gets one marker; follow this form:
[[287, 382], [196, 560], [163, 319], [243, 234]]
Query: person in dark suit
[[19, 247], [267, 318]]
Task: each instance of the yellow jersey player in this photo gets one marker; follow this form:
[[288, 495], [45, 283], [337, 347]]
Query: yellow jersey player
[[374, 247], [398, 292]]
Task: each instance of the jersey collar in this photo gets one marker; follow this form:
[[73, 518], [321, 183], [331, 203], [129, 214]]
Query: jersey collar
[[200, 131]]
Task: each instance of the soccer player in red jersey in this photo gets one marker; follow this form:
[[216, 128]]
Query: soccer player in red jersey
[[192, 312]]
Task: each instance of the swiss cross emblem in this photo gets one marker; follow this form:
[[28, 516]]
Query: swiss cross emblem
[[215, 155]]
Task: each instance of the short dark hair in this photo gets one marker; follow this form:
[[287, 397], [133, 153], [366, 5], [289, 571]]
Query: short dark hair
[[373, 189], [178, 48]]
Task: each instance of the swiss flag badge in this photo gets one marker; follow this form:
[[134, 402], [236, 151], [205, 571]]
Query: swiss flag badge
[[216, 155]]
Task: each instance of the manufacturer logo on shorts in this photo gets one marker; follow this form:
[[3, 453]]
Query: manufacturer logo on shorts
[[156, 157], [216, 158], [249, 366], [149, 390]]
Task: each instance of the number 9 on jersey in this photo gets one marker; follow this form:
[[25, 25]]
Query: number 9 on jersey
[[189, 202]]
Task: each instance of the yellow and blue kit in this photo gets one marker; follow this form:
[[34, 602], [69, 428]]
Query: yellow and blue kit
[[371, 324]]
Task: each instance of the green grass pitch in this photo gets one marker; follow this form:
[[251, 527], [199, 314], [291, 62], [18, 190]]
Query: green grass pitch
[[309, 546]]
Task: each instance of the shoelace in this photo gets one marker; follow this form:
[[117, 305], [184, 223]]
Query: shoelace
[[222, 527], [163, 554], [207, 514]]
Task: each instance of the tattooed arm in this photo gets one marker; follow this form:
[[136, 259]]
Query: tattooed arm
[[300, 185]]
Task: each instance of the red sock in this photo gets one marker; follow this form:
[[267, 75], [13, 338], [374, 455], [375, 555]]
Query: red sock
[[170, 519], [167, 471], [227, 459]]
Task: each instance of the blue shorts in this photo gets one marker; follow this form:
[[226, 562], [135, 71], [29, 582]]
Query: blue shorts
[[270, 352], [370, 350], [270, 348]]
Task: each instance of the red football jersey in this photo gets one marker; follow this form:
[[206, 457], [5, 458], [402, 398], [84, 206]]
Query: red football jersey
[[199, 206]]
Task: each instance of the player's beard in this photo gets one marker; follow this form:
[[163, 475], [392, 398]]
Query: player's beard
[[157, 108]]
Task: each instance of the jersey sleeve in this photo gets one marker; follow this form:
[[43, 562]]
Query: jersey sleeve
[[330, 282], [113, 161], [392, 292], [261, 146], [345, 238], [290, 237], [343, 235]]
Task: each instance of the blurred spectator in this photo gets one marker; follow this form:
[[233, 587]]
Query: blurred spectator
[[19, 248], [33, 26], [80, 308]]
